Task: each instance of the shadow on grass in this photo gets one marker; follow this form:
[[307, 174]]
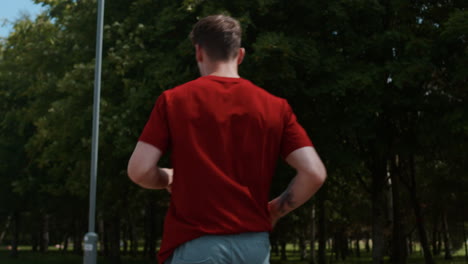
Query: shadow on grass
[[54, 257], [294, 258]]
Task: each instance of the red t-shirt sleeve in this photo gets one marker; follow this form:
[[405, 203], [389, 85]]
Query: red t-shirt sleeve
[[294, 135], [156, 131]]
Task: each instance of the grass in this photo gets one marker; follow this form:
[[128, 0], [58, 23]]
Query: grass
[[365, 259], [26, 256]]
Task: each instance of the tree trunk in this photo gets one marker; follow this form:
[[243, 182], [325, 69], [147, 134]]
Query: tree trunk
[[439, 242], [322, 239], [15, 235], [465, 244], [104, 249], [349, 247], [343, 245], [65, 243], [357, 248], [133, 240], [283, 250], [77, 238], [125, 239], [114, 240], [398, 240], [106, 238], [145, 245], [274, 244], [35, 239], [447, 244], [44, 244], [302, 247], [7, 225], [335, 246], [312, 236], [422, 233], [417, 211], [378, 211], [150, 238], [367, 244], [331, 247], [434, 234], [410, 243]]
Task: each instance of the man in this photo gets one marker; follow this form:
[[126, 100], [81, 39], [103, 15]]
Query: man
[[225, 135]]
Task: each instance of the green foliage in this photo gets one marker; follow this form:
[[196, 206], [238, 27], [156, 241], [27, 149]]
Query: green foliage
[[368, 79]]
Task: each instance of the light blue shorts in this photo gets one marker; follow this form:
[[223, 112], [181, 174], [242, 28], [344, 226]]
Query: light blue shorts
[[245, 248]]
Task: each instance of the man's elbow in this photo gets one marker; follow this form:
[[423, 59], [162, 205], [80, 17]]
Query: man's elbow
[[135, 174], [322, 175], [318, 175]]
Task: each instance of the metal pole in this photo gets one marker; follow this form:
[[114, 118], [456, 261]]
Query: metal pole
[[91, 238]]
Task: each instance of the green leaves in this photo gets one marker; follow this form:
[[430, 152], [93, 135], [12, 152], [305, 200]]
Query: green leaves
[[366, 78]]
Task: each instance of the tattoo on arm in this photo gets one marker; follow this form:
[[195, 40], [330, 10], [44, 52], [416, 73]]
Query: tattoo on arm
[[286, 200]]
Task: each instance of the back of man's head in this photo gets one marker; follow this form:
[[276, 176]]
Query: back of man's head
[[219, 36]]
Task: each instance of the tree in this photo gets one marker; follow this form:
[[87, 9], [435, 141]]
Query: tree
[[379, 86]]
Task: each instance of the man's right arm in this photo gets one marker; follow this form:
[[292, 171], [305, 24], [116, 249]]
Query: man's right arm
[[311, 174]]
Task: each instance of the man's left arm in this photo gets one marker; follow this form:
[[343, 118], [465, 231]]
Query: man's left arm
[[143, 168]]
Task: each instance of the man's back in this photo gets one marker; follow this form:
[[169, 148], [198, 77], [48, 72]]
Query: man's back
[[226, 135]]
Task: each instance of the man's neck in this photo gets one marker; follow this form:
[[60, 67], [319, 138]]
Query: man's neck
[[221, 69]]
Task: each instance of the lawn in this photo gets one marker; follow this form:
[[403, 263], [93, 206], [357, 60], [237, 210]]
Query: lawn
[[56, 257], [417, 258]]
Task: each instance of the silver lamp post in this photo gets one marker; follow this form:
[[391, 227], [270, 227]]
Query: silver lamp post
[[91, 238]]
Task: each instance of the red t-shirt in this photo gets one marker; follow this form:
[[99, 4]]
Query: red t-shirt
[[225, 135]]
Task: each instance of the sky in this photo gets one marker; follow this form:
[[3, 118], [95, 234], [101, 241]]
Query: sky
[[10, 10]]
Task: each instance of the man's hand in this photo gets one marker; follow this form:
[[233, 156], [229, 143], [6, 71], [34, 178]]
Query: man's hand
[[143, 169], [275, 215], [310, 176], [170, 176]]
